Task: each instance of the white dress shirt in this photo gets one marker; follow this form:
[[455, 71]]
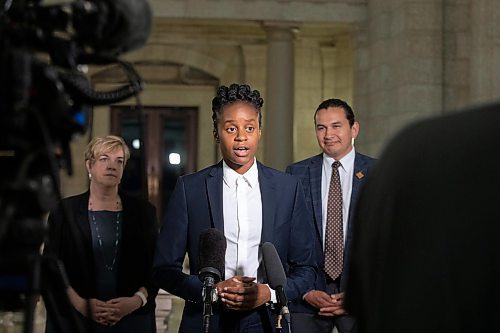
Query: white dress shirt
[[346, 175], [242, 208]]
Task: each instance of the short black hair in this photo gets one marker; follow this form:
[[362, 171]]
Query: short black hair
[[235, 93], [337, 103]]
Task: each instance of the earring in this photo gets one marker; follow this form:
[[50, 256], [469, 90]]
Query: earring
[[90, 176]]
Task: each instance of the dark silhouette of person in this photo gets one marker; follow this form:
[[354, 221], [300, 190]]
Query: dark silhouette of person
[[426, 249]]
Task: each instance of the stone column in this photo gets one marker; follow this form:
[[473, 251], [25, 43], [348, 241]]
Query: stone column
[[484, 51], [399, 68], [278, 104]]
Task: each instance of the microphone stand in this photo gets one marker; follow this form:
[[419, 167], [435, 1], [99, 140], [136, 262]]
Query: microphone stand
[[208, 298], [284, 312]]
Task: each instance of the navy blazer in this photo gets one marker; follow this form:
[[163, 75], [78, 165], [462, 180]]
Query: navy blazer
[[309, 172], [196, 205]]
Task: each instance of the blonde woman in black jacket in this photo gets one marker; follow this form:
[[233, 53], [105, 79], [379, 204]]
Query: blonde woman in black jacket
[[110, 275]]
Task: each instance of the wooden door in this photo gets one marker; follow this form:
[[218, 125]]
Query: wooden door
[[162, 142]]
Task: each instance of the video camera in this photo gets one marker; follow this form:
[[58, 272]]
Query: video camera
[[45, 99]]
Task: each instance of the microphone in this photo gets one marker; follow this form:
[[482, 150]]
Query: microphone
[[276, 277], [211, 257]]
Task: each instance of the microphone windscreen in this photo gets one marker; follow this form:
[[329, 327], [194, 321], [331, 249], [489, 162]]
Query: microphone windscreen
[[272, 263], [212, 252]]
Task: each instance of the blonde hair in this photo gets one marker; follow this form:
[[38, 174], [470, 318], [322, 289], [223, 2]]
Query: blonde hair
[[102, 145]]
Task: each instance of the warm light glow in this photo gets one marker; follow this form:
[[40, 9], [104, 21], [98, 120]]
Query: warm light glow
[[174, 158]]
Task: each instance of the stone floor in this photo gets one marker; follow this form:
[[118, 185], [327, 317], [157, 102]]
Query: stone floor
[[167, 316]]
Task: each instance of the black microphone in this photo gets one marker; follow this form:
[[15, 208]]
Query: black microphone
[[211, 256], [276, 277], [112, 27]]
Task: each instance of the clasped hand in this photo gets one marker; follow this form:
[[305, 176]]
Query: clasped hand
[[242, 293], [328, 305], [112, 311]]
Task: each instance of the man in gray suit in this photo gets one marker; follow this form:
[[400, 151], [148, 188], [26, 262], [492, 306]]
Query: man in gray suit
[[322, 309]]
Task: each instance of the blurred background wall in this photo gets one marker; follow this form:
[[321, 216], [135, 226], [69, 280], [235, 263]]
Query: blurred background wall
[[393, 61]]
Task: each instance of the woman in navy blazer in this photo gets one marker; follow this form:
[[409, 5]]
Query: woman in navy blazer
[[198, 203]]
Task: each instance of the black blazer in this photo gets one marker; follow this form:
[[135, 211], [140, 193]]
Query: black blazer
[[71, 242]]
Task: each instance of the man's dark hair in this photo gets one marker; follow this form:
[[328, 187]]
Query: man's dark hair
[[337, 103], [235, 93]]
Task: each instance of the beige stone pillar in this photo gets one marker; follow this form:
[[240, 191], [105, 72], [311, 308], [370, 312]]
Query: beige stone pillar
[[484, 50], [278, 105], [399, 74]]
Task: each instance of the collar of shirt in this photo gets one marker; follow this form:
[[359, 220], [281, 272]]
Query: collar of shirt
[[347, 162], [230, 176], [345, 173]]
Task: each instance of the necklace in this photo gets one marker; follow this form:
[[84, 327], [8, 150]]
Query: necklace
[[99, 237]]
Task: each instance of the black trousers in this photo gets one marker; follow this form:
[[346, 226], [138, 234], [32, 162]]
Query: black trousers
[[314, 323], [260, 320]]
